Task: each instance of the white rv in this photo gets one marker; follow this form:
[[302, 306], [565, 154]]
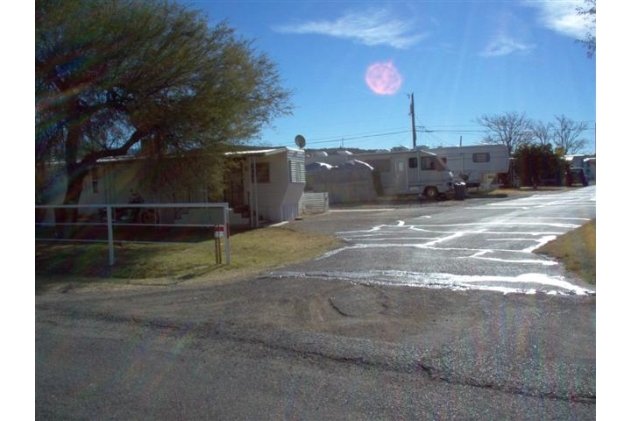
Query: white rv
[[476, 165], [410, 172]]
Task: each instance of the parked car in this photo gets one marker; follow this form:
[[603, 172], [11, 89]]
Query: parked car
[[575, 175]]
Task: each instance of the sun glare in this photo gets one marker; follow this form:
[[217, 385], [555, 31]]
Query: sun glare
[[383, 78]]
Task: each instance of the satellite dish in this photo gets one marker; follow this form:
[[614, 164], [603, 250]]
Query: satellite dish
[[300, 141]]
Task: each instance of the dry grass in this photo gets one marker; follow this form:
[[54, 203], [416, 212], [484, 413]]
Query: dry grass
[[68, 266], [576, 250]]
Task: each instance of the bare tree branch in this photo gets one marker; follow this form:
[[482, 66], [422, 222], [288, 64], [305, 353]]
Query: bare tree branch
[[510, 129], [566, 134], [588, 12]]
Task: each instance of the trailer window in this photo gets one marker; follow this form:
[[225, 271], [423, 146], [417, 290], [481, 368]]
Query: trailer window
[[95, 180], [296, 171], [412, 163], [428, 163], [262, 173], [481, 157]]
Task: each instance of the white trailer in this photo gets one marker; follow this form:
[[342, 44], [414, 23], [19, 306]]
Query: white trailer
[[476, 165], [410, 172], [589, 165], [575, 161]]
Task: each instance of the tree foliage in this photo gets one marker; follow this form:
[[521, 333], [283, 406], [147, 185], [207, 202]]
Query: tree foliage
[[588, 12], [511, 129], [114, 75], [536, 164]]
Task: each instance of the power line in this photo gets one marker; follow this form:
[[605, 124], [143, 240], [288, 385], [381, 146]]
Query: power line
[[452, 131], [421, 129], [366, 136]]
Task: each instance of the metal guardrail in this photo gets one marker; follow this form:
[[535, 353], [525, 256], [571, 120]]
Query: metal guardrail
[[107, 216]]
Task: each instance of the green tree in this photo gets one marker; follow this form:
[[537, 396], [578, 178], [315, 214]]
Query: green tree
[[536, 164], [113, 77], [510, 129]]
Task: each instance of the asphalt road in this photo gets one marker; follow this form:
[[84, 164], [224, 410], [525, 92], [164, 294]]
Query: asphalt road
[[437, 312], [479, 243]]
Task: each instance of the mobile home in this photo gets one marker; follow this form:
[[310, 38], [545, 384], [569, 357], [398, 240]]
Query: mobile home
[[575, 161], [263, 185], [410, 172], [586, 162], [270, 185], [476, 165], [589, 165]]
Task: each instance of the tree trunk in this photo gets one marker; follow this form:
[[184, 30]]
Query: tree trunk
[[73, 194], [75, 173]]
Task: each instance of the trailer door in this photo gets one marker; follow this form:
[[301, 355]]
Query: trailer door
[[413, 171], [401, 175]]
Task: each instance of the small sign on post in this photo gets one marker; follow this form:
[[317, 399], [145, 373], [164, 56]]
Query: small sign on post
[[219, 234]]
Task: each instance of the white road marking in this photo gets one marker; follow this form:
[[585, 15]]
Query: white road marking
[[481, 253], [527, 235], [360, 210], [528, 283], [435, 238]]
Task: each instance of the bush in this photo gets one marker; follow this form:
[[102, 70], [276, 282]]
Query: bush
[[539, 165]]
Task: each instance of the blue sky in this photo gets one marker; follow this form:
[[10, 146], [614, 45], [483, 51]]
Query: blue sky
[[460, 59]]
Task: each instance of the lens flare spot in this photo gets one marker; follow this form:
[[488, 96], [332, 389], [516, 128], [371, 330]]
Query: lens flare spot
[[383, 78]]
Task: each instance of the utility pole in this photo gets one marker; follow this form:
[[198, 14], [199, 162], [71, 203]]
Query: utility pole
[[413, 122]]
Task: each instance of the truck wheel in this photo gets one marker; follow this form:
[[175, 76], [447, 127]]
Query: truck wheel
[[431, 193]]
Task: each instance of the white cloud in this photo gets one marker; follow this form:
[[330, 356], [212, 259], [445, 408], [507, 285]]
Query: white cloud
[[503, 45], [562, 17], [370, 27], [510, 35]]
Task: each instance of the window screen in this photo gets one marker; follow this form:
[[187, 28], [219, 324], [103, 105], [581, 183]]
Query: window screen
[[481, 157]]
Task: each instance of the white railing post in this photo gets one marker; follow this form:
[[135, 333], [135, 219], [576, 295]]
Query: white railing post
[[226, 230], [110, 236], [157, 207]]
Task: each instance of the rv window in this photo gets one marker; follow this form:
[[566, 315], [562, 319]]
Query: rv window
[[428, 163], [481, 157], [412, 163]]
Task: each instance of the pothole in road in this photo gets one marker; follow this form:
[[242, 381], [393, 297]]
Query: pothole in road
[[359, 301]]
